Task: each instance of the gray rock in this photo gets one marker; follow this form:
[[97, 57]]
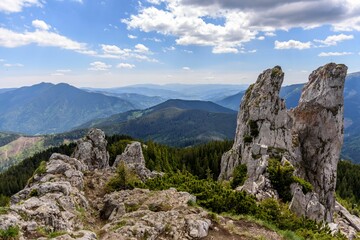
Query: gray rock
[[134, 159], [92, 150], [319, 124], [308, 137], [263, 122], [140, 213]]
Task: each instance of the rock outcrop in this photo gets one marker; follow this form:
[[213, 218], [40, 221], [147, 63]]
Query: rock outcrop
[[142, 214], [134, 159], [319, 126], [309, 138], [263, 127], [66, 199], [92, 150]]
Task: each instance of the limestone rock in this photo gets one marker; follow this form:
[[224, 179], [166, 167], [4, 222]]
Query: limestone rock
[[139, 213], [92, 150], [263, 122], [319, 125], [309, 137], [134, 159], [307, 204], [51, 199]]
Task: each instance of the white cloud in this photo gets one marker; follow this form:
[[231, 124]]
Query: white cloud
[[2, 60], [13, 65], [261, 38], [132, 36], [190, 21], [141, 48], [99, 66], [334, 40], [139, 52], [39, 24], [41, 37], [186, 68], [57, 74], [292, 44], [125, 65], [11, 6], [334, 54], [270, 34]]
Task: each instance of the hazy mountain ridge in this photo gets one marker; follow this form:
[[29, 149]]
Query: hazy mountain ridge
[[175, 122], [49, 108]]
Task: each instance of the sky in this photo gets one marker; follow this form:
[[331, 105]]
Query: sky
[[113, 43]]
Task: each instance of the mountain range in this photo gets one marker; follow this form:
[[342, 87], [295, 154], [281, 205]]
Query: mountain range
[[175, 122]]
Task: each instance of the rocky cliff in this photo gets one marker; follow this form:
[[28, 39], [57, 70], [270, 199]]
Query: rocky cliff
[[306, 140]]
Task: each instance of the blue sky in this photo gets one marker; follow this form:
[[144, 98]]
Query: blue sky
[[112, 43]]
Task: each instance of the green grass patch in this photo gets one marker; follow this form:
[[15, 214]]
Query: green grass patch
[[10, 234]]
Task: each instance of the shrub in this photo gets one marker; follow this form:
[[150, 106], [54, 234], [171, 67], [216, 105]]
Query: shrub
[[239, 176], [247, 139], [306, 186], [4, 201], [124, 179], [281, 178], [254, 130]]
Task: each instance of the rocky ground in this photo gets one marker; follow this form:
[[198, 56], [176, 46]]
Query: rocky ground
[[67, 199]]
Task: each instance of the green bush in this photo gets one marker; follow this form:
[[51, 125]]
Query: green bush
[[124, 179], [41, 169], [239, 176], [281, 178], [210, 194], [4, 201], [306, 186], [10, 233], [247, 139]]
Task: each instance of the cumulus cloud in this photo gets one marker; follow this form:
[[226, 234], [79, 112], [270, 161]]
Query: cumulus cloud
[[292, 44], [139, 52], [334, 40], [334, 54], [99, 66], [191, 21], [41, 37], [141, 48], [132, 36], [39, 24], [11, 6], [125, 65]]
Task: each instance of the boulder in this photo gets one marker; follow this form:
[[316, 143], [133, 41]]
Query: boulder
[[92, 150], [134, 159]]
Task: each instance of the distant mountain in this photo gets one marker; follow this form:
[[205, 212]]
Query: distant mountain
[[49, 108], [2, 90], [210, 92], [174, 122], [137, 100]]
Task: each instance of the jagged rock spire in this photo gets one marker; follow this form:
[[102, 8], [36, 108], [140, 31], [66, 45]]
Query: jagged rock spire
[[319, 124], [309, 137]]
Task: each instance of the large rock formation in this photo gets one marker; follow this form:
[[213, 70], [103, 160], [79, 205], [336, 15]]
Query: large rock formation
[[134, 159], [309, 138], [263, 127], [319, 125], [92, 150]]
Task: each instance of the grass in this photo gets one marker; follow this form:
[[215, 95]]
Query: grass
[[9, 234]]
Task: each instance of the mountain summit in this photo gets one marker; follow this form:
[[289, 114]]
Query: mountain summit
[[49, 108]]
